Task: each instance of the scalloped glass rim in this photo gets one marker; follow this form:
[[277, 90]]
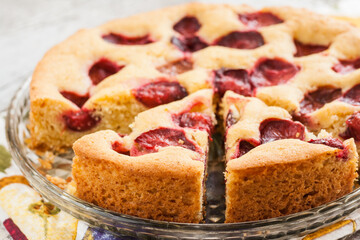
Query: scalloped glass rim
[[296, 224]]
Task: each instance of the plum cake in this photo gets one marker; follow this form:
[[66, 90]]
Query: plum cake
[[139, 94]]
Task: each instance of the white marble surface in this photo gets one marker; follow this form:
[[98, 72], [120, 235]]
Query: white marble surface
[[29, 28]]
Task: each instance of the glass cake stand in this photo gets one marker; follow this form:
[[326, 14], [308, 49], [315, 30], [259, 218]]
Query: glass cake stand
[[340, 213]]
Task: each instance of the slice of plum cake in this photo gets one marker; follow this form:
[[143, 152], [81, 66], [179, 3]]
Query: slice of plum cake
[[157, 171], [275, 167]]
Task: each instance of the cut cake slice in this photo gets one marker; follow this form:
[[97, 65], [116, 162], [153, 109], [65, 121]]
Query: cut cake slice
[[158, 170], [275, 167]]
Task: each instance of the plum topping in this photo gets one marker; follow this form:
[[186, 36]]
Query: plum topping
[[237, 80], [242, 40], [124, 40], [79, 100], [346, 66], [177, 67], [259, 19], [331, 142], [245, 146], [118, 147], [81, 120], [269, 72], [191, 44], [103, 69], [156, 93], [188, 42], [307, 49], [353, 127], [187, 26], [335, 143], [194, 120], [276, 129], [318, 98], [352, 96], [230, 120], [152, 140]]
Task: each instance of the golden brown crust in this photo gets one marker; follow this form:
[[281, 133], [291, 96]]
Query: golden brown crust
[[287, 176], [166, 185], [279, 152], [98, 146]]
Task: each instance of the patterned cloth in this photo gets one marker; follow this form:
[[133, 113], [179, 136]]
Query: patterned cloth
[[25, 215]]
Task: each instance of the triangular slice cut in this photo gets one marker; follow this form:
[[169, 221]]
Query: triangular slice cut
[[275, 167], [158, 170]]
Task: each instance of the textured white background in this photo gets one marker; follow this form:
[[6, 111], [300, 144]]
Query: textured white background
[[29, 27]]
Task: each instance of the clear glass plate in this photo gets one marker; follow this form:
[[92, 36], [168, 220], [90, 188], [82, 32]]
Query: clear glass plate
[[292, 226]]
